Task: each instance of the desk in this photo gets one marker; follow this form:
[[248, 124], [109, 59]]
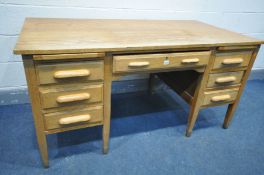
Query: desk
[[70, 65]]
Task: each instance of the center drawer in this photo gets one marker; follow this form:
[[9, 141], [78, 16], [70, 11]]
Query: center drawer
[[71, 94], [143, 62]]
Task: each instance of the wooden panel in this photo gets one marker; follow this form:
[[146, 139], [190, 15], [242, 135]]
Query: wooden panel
[[55, 120], [232, 59], [70, 72], [50, 36], [71, 95], [36, 105], [214, 98], [143, 62], [224, 79], [232, 107], [223, 48], [68, 56], [108, 61]]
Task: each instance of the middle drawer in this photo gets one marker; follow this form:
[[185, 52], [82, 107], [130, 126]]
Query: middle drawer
[[143, 62], [71, 94], [224, 79]]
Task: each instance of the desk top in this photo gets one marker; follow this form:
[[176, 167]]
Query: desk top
[[49, 36]]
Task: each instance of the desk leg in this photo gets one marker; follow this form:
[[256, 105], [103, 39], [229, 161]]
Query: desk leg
[[107, 101], [195, 105], [35, 103], [198, 97], [232, 107], [42, 143], [229, 114], [194, 111], [151, 83]]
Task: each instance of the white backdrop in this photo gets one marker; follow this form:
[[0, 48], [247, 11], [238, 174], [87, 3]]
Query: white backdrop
[[243, 16]]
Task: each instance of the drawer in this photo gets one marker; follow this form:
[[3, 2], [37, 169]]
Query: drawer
[[73, 118], [224, 79], [143, 62], [232, 59], [70, 72], [71, 95], [219, 97]]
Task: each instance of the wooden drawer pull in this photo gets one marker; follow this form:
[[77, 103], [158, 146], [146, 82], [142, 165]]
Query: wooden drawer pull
[[189, 61], [232, 61], [74, 119], [220, 98], [138, 64], [225, 79], [73, 97], [72, 73]]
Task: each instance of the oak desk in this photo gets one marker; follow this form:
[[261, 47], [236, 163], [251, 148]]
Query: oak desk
[[70, 65]]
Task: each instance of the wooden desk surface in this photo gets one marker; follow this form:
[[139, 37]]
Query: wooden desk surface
[[49, 36]]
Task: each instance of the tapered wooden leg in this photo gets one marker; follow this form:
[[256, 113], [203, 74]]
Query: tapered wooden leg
[[35, 103], [43, 148], [229, 114], [151, 83], [107, 101], [192, 119], [198, 97], [232, 107], [106, 131]]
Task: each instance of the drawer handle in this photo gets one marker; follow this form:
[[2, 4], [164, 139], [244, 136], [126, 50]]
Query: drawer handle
[[232, 61], [189, 61], [220, 98], [74, 119], [138, 64], [73, 97], [72, 73], [225, 79]]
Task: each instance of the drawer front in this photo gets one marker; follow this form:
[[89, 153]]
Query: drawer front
[[224, 79], [220, 97], [73, 118], [143, 62], [70, 72], [232, 59], [70, 95]]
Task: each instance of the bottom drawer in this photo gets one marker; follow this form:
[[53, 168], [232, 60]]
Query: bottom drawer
[[79, 117], [219, 97]]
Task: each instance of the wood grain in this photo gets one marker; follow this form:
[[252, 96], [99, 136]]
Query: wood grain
[[68, 56], [75, 119], [232, 107], [70, 65], [72, 118], [70, 94], [108, 66], [47, 72], [52, 36], [144, 62], [232, 59], [198, 96], [36, 106], [224, 79]]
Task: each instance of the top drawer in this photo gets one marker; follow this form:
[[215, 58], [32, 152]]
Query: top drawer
[[143, 62], [232, 59], [70, 72]]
